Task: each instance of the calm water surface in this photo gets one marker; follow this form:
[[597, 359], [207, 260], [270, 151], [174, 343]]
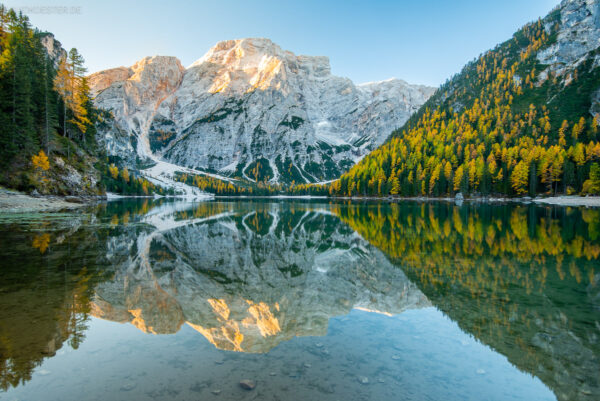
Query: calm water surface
[[159, 300]]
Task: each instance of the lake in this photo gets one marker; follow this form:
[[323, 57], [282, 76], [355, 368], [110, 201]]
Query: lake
[[302, 300]]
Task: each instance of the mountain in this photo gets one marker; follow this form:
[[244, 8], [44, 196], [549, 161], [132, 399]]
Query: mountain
[[248, 109], [520, 119]]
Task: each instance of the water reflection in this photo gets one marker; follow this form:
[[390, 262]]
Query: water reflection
[[250, 275], [45, 293], [247, 278], [524, 279]]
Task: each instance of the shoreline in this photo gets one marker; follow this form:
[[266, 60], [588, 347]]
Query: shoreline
[[575, 201], [12, 201], [561, 200]]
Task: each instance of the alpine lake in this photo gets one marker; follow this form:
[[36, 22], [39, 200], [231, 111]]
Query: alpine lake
[[300, 300]]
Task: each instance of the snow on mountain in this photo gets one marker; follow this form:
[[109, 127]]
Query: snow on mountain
[[245, 104]]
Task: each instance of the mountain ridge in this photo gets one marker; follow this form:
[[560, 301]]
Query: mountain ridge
[[251, 110]]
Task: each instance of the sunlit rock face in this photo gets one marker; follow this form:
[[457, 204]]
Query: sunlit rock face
[[249, 281], [577, 43], [132, 96], [246, 101], [578, 36], [53, 48]]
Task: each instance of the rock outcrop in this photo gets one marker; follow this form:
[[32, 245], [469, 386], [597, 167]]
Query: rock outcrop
[[578, 36], [53, 48]]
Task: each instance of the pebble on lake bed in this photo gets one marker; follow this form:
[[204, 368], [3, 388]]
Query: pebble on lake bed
[[247, 384], [128, 386]]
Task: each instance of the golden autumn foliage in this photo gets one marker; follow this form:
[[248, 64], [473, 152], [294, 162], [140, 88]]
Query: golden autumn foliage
[[125, 174], [114, 171], [493, 129], [40, 161], [41, 165]]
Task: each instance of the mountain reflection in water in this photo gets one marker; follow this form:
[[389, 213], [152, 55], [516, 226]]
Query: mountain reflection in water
[[250, 275], [246, 278]]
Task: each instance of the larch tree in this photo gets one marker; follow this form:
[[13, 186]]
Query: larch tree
[[520, 177]]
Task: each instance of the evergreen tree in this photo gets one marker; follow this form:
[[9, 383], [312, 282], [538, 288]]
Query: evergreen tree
[[33, 95]]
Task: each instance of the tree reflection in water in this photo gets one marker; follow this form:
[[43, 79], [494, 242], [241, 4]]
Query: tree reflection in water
[[249, 275]]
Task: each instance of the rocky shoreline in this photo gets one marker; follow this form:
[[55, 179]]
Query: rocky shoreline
[[16, 202], [574, 201], [12, 201]]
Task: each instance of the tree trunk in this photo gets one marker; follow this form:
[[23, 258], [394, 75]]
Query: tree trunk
[[14, 111], [46, 108], [65, 129]]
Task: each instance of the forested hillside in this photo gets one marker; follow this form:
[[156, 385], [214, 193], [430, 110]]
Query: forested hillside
[[47, 119], [507, 124], [47, 134]]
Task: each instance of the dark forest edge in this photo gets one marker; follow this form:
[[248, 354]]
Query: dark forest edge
[[47, 119]]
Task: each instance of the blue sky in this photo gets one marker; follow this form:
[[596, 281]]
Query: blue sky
[[421, 41]]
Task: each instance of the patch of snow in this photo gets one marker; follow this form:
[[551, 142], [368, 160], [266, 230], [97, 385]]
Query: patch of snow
[[229, 225], [230, 167], [110, 196], [244, 172], [325, 182], [324, 132]]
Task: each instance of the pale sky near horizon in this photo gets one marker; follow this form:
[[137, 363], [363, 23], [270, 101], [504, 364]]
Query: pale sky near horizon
[[422, 41]]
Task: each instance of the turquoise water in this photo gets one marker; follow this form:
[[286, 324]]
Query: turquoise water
[[165, 300]]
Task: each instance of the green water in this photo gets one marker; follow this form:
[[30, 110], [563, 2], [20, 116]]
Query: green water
[[160, 300]]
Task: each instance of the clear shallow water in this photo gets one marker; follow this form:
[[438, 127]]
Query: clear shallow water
[[158, 300]]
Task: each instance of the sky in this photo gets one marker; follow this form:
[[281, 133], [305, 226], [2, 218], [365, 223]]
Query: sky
[[420, 41]]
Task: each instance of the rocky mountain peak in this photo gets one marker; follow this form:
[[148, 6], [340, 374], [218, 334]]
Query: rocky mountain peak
[[156, 63], [163, 72], [246, 51], [244, 65], [248, 102]]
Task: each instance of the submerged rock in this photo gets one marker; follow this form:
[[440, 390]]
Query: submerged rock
[[247, 384]]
